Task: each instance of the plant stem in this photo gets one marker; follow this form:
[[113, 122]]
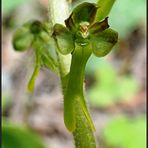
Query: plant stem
[[83, 134], [74, 100], [58, 11]]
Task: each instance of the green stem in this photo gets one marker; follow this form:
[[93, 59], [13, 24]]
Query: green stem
[[58, 11], [83, 135], [75, 87], [75, 110], [72, 78]]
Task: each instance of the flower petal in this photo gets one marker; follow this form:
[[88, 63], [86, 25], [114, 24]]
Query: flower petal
[[103, 42], [35, 73], [84, 12], [64, 39], [99, 26]]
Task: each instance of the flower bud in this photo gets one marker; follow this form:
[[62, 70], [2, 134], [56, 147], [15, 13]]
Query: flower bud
[[22, 39]]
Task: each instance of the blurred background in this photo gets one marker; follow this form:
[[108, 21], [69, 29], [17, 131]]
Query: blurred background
[[115, 84]]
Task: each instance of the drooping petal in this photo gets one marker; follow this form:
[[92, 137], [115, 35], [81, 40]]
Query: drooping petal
[[84, 12], [64, 39], [35, 73], [103, 42]]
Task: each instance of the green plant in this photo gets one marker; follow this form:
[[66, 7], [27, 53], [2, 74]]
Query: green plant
[[132, 20], [22, 137], [110, 88], [65, 50], [125, 132]]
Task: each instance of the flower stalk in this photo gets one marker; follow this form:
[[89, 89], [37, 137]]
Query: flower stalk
[[64, 46], [72, 81]]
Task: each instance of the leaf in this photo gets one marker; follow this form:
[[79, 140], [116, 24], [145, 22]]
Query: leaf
[[104, 9], [64, 39], [110, 88], [19, 137], [103, 42], [124, 132], [9, 5], [136, 14]]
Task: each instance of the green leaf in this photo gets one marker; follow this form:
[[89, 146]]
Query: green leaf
[[64, 39], [110, 88], [136, 14], [124, 132], [22, 38], [103, 42], [104, 9], [19, 137], [9, 5]]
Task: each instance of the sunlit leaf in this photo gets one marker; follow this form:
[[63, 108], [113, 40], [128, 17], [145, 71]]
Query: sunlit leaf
[[124, 132], [10, 5], [109, 88]]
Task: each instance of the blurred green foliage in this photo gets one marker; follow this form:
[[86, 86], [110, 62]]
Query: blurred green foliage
[[10, 5], [14, 136], [126, 15], [6, 101], [126, 133], [110, 88]]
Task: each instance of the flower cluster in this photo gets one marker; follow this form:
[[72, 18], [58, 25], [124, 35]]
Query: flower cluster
[[82, 28]]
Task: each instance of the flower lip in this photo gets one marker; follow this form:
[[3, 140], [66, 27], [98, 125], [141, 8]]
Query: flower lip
[[84, 26]]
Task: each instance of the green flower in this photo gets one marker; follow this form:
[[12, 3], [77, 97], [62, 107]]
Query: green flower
[[36, 35], [81, 28], [26, 35]]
